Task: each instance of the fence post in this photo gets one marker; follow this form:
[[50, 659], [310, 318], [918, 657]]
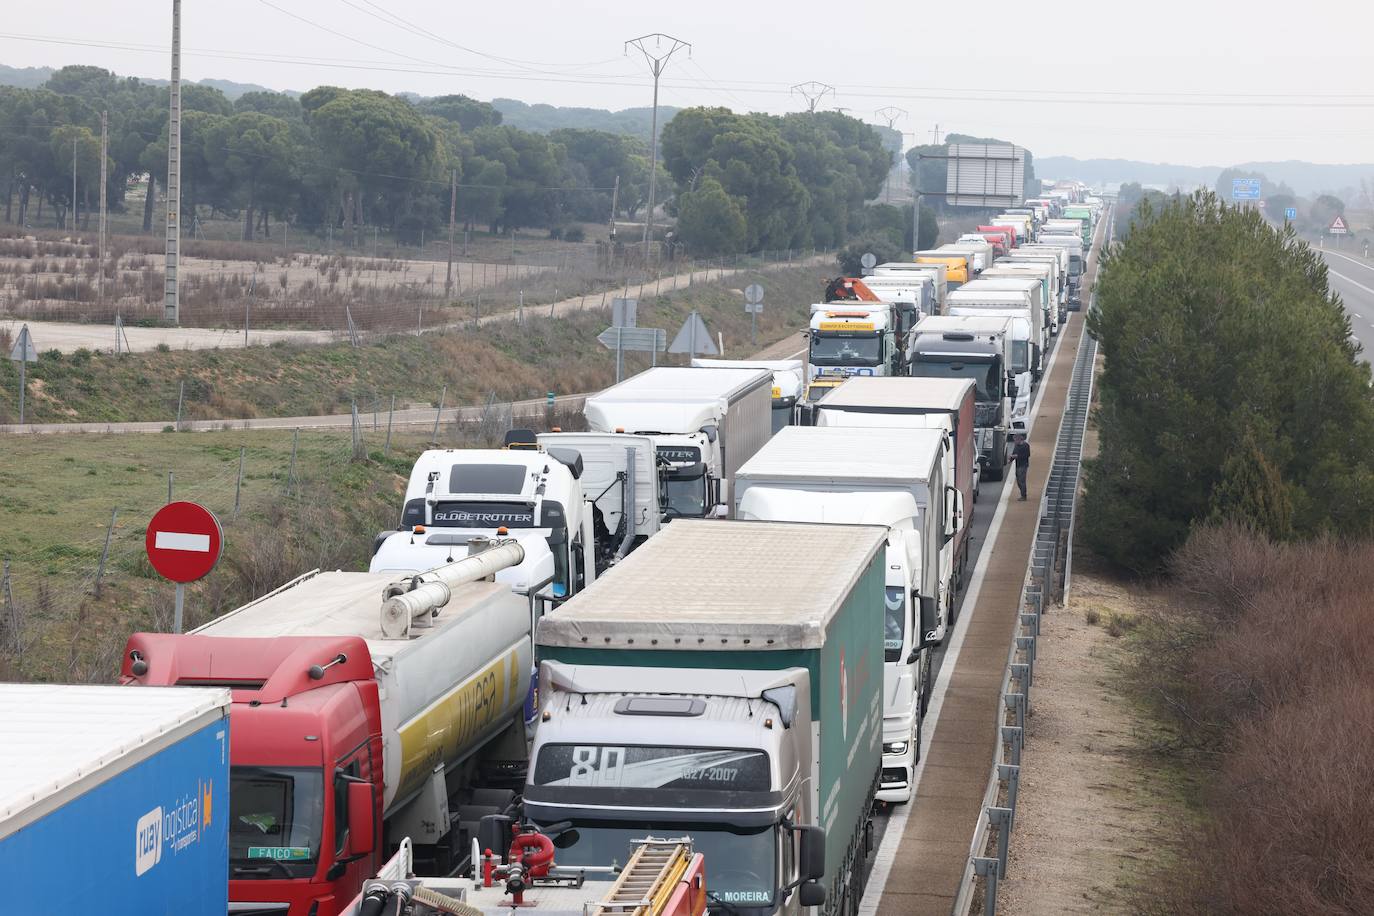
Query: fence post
[[11, 612], [291, 469], [437, 414], [238, 484], [181, 396], [357, 434], [105, 552], [170, 478], [386, 449]]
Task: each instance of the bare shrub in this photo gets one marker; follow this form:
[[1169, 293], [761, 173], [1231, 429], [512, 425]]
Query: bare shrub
[[1265, 664]]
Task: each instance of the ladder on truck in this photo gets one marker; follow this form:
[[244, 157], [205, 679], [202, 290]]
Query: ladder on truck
[[648, 881]]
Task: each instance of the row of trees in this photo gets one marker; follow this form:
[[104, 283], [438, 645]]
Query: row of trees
[[332, 157], [1232, 387], [756, 181], [348, 158]]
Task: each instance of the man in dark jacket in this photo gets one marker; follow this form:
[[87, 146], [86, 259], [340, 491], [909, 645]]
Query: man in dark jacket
[[1020, 453]]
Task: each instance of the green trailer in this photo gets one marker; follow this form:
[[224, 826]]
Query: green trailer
[[724, 681], [1085, 215]]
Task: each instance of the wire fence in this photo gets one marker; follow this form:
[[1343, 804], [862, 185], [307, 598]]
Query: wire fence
[[242, 285], [67, 603]]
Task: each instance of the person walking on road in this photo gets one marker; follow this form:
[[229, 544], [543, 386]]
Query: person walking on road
[[1020, 453]]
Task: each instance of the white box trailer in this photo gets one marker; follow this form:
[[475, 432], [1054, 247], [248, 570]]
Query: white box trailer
[[1010, 304], [868, 476], [704, 422], [789, 380], [1036, 286], [938, 273]]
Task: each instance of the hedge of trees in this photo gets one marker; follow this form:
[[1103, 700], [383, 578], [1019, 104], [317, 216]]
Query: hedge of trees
[[349, 158], [333, 156], [1231, 388], [751, 182]]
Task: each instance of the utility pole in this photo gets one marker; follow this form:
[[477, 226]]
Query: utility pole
[[657, 59], [171, 303], [72, 224], [615, 200], [104, 176], [813, 92], [452, 218]]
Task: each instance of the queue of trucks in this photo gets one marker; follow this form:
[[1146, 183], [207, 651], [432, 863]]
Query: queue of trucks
[[695, 641]]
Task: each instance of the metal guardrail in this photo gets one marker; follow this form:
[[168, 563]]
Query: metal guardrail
[[1045, 584]]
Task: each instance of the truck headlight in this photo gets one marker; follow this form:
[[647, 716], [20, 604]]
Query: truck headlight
[[895, 747]]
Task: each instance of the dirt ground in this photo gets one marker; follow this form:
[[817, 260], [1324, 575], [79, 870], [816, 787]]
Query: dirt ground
[[1089, 813]]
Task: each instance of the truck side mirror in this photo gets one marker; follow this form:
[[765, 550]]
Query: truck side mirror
[[811, 894], [811, 852], [1011, 388], [362, 823], [930, 622]]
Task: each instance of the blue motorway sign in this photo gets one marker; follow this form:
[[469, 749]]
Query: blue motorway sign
[[1245, 189], [1290, 213]]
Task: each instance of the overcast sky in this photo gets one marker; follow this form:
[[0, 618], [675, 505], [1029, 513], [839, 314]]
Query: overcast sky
[[1195, 83]]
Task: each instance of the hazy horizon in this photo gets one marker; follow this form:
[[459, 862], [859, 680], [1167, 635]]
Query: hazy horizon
[[1060, 81]]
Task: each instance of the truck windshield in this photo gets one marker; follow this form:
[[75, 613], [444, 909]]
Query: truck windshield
[[837, 348], [275, 816], [894, 624], [983, 373], [686, 496], [741, 864]]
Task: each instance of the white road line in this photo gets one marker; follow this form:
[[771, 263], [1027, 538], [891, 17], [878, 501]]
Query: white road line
[[175, 540], [1350, 281], [886, 856]]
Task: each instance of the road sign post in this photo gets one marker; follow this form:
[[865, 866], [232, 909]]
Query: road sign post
[[694, 338], [184, 542], [24, 352], [753, 304]]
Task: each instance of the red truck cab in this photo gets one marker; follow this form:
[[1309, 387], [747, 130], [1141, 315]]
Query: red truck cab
[[1004, 236], [306, 761]]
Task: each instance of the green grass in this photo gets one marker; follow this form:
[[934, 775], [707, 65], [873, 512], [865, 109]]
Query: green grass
[[504, 359], [60, 492]]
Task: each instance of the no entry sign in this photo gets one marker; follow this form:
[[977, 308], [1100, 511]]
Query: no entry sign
[[183, 541]]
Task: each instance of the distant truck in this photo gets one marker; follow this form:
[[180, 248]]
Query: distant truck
[[851, 475], [1010, 280], [534, 493], [114, 801], [789, 378], [724, 682], [937, 273], [622, 481], [983, 349], [947, 405], [1077, 263], [957, 268], [704, 424], [849, 338], [978, 249], [1008, 304], [366, 708]]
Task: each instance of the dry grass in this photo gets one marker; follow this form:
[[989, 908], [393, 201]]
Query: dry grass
[[1264, 663]]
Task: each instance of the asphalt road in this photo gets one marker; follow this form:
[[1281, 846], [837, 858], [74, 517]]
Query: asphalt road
[[1353, 278]]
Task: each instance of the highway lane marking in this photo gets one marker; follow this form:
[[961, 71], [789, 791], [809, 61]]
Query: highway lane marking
[[1352, 282], [1356, 261], [886, 856]]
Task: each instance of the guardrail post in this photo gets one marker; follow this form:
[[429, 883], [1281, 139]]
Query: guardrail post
[[1032, 622], [986, 869], [1017, 703], [1001, 819], [1015, 737], [1011, 778]]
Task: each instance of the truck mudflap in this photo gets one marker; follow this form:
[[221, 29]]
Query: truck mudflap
[[847, 887]]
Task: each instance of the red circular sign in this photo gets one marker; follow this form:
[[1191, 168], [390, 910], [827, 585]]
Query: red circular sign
[[183, 541]]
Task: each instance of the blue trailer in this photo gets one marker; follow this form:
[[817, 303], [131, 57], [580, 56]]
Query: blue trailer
[[115, 800]]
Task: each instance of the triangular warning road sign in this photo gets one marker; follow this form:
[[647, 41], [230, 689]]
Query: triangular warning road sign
[[694, 338], [1338, 225]]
